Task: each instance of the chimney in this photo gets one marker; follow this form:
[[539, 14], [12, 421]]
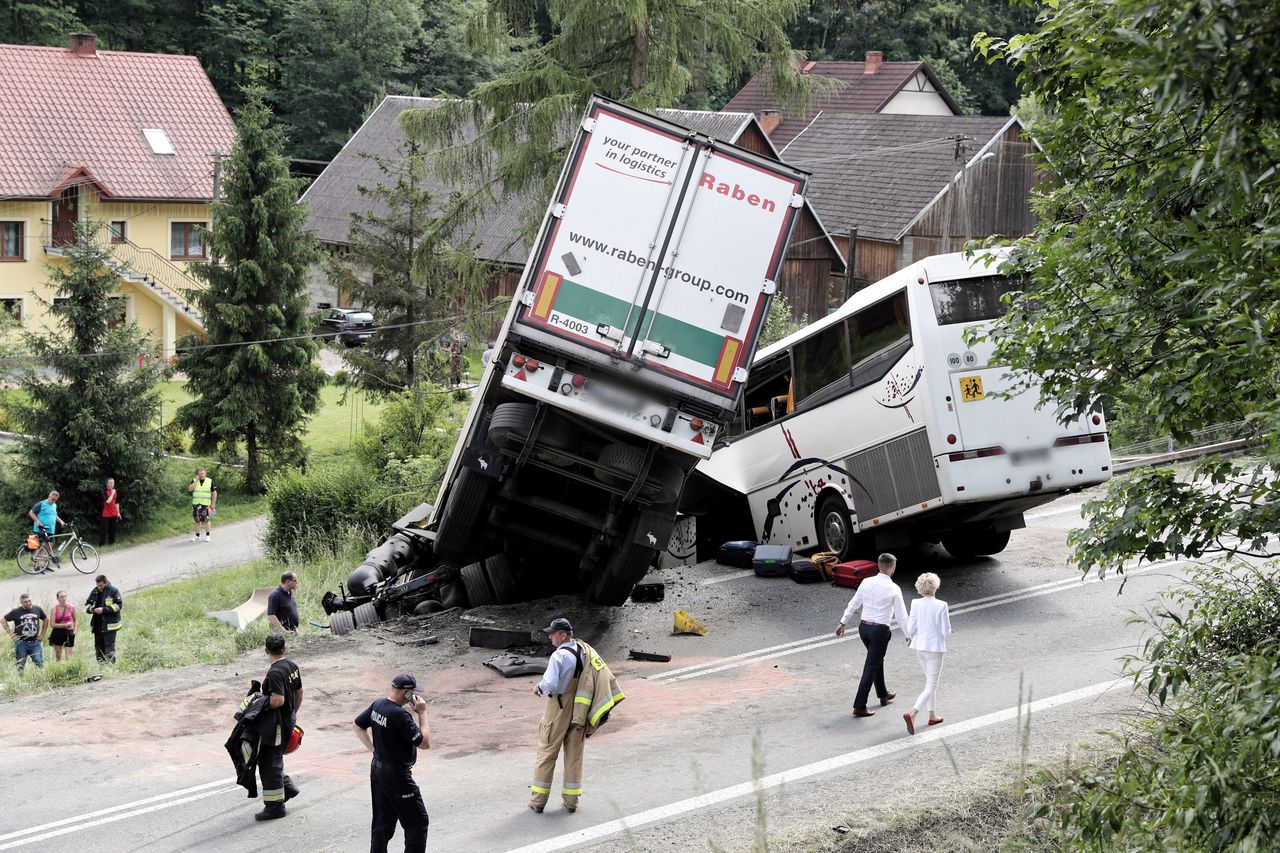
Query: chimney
[[84, 44], [769, 121], [808, 66], [875, 58]]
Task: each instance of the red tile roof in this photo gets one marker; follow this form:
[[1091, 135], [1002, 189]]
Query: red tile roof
[[69, 118], [859, 93]]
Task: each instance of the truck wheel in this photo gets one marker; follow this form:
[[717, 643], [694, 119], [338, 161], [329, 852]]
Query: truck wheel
[[665, 480], [453, 594], [427, 607], [461, 513], [968, 542], [626, 567], [478, 592], [511, 424], [365, 615], [504, 585], [835, 528], [342, 622]]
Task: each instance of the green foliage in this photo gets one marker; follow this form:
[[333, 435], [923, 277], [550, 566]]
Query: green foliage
[[38, 22], [87, 411], [937, 31], [404, 277], [421, 422], [308, 508], [255, 383], [1154, 266], [778, 322], [639, 53], [1200, 773]]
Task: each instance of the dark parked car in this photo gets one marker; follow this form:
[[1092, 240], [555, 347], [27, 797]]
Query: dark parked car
[[352, 326]]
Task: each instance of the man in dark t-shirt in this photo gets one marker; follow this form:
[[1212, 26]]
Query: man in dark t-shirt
[[29, 626], [282, 609], [283, 689], [393, 736]]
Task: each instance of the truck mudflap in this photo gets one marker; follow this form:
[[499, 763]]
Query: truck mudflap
[[679, 286]]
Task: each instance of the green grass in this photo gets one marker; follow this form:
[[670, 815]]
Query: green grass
[[165, 627]]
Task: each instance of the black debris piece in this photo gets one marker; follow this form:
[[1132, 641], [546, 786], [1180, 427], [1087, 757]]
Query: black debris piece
[[497, 638], [639, 655]]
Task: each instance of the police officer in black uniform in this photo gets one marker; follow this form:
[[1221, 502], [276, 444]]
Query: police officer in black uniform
[[283, 690], [393, 736]]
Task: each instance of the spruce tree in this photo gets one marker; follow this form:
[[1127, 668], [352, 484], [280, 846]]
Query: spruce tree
[[396, 265], [91, 409], [254, 379]]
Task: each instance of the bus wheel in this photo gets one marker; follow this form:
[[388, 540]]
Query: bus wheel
[[835, 529], [969, 542]]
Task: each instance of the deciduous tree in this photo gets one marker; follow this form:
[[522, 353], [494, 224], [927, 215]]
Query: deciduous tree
[[254, 379]]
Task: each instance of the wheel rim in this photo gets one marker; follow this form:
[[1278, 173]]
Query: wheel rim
[[84, 558], [833, 530]]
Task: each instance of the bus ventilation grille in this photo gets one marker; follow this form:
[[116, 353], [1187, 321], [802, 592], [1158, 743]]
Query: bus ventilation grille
[[894, 475]]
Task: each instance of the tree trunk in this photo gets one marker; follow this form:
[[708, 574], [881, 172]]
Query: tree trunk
[[640, 57], [252, 468]]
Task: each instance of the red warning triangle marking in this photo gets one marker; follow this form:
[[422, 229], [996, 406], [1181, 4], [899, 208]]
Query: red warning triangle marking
[[697, 438], [520, 375]]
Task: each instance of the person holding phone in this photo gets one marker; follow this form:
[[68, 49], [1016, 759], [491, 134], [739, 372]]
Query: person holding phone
[[204, 502], [394, 737]]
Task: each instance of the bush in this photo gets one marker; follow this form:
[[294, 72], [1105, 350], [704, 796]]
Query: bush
[[306, 509], [423, 422], [174, 439], [340, 378]]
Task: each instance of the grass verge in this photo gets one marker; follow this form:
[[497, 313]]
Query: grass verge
[[165, 626]]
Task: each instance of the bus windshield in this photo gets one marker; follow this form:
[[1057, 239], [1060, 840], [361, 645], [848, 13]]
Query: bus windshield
[[972, 300]]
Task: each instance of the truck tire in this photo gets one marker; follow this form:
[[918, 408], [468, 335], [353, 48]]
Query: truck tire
[[665, 480], [835, 527], [625, 568], [478, 592], [969, 542], [453, 594], [366, 615], [500, 579], [461, 513], [341, 623], [427, 606], [511, 424]]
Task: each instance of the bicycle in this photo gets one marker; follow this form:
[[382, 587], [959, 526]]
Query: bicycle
[[83, 555]]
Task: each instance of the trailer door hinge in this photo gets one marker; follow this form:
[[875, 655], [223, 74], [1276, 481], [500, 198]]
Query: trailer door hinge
[[740, 374], [797, 200], [604, 330], [589, 125], [527, 297], [558, 211], [770, 287], [660, 350]]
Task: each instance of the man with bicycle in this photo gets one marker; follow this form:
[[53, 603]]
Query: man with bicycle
[[44, 523]]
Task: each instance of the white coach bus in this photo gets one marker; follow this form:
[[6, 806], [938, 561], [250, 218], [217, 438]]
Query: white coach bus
[[877, 426]]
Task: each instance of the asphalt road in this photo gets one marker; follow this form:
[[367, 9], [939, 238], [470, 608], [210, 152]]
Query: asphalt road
[[748, 727], [141, 566]]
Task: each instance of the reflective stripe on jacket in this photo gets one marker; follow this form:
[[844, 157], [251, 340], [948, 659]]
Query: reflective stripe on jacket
[[598, 691]]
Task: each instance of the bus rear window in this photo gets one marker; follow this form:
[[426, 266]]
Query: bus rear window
[[972, 300]]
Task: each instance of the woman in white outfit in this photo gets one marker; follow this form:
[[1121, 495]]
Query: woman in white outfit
[[928, 627]]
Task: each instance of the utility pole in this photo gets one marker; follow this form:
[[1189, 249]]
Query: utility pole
[[218, 157]]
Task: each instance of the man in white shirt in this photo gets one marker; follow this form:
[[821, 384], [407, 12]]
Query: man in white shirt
[[881, 602], [557, 732]]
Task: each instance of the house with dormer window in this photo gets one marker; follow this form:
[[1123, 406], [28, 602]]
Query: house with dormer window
[[128, 140]]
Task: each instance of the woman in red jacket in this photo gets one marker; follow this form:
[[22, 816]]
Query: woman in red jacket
[[110, 514]]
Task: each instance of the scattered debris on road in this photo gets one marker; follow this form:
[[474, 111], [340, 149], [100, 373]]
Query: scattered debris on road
[[649, 592], [497, 638], [509, 666], [686, 624], [654, 656]]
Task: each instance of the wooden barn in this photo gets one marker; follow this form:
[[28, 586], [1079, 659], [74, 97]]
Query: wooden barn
[[813, 275], [908, 186]]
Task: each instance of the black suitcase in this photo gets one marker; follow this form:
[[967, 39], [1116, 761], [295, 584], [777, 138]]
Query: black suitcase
[[737, 553], [772, 561], [804, 570]]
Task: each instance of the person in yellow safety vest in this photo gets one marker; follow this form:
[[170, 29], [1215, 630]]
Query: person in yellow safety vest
[[204, 503], [576, 670]]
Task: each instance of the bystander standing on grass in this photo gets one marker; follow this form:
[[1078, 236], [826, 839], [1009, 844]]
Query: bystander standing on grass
[[29, 626]]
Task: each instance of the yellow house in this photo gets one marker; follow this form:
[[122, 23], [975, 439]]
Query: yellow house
[[127, 139]]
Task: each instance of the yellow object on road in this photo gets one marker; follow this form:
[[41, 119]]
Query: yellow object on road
[[686, 624]]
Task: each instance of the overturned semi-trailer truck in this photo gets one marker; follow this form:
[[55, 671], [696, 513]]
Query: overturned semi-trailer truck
[[623, 355]]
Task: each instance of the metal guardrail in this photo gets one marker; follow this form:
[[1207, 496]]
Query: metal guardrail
[[1211, 435]]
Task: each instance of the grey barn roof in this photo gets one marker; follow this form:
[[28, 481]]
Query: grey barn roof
[[876, 172]]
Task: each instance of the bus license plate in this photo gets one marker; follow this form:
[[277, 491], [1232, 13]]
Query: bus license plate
[[971, 388]]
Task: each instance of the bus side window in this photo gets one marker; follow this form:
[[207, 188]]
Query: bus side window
[[822, 364], [768, 392], [881, 334]]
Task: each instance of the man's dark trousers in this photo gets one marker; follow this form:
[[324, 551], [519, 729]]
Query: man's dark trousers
[[876, 639], [396, 798], [271, 768], [104, 644]]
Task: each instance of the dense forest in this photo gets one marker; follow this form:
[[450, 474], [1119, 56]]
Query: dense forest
[[324, 63]]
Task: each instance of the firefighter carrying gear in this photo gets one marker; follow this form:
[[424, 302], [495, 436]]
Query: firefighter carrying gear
[[566, 725]]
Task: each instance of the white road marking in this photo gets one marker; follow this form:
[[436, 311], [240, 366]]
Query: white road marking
[[797, 774], [150, 804], [816, 642]]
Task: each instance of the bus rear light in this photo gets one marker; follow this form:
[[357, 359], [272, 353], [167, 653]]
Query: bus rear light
[[518, 360], [951, 439], [1071, 440], [959, 488], [1097, 420], [962, 455]]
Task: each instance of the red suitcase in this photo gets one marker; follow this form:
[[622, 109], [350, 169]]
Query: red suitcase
[[854, 572]]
